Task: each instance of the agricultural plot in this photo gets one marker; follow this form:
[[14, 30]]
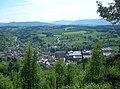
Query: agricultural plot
[[74, 33], [66, 37]]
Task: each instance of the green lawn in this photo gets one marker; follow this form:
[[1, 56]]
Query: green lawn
[[41, 35], [115, 48], [49, 39], [74, 33]]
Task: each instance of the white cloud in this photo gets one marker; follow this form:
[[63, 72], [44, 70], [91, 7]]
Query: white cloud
[[49, 10]]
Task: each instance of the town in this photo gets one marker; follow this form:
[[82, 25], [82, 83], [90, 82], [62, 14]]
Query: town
[[47, 59]]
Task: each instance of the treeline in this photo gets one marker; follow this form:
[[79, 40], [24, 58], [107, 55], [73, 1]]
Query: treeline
[[98, 72]]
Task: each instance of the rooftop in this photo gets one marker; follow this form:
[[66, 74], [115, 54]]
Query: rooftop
[[108, 48], [74, 53]]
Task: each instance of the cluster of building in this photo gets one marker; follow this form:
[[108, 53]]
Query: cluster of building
[[48, 58], [72, 56], [11, 53]]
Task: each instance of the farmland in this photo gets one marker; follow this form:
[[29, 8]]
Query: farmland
[[65, 37]]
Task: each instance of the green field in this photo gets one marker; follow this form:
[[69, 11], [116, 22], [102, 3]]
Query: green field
[[65, 37], [74, 33]]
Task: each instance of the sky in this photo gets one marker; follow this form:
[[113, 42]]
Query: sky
[[48, 10]]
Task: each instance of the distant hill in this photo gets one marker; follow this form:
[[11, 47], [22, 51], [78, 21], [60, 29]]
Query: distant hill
[[89, 22], [82, 22], [25, 24], [62, 22]]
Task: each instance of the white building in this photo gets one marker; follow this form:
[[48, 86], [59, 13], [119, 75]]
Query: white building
[[77, 55], [107, 51]]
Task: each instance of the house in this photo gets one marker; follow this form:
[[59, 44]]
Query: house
[[107, 51], [60, 54], [44, 62], [77, 55], [87, 54], [73, 55], [45, 55]]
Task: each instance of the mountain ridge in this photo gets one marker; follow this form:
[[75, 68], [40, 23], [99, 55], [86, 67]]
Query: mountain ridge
[[83, 22], [87, 22], [91, 22], [33, 23]]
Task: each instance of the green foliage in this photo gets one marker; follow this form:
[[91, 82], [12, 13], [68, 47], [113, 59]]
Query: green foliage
[[60, 74], [98, 86], [112, 74], [111, 13], [69, 75], [30, 71], [51, 80], [93, 74], [119, 47], [5, 82], [17, 81]]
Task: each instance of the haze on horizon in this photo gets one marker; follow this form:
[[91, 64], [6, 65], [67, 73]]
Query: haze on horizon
[[48, 10]]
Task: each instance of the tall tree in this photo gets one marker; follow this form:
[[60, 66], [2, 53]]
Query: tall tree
[[69, 75], [60, 74], [110, 13], [30, 71], [93, 74], [52, 80]]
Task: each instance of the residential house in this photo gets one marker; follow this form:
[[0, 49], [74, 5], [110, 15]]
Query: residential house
[[107, 51], [87, 54], [73, 55], [60, 54], [77, 55]]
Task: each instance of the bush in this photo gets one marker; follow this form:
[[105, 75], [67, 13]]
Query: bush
[[98, 86]]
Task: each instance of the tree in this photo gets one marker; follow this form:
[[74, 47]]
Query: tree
[[112, 73], [60, 74], [110, 13], [93, 74], [30, 71], [51, 80], [69, 75], [119, 49]]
